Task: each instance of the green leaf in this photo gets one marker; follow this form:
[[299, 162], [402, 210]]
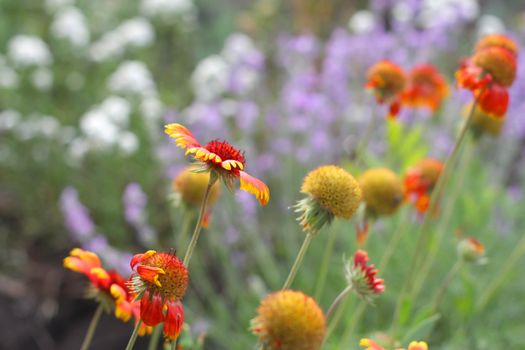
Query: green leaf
[[421, 329]]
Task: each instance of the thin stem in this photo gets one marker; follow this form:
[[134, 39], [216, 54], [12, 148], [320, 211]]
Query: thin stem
[[91, 329], [185, 230], [198, 226], [363, 142], [422, 237], [134, 335], [155, 336], [298, 261], [502, 275], [443, 288], [174, 345], [337, 301], [321, 279]]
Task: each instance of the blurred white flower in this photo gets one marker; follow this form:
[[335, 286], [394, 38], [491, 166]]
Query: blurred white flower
[[361, 22], [26, 50], [117, 109], [8, 76], [132, 77], [9, 119], [166, 10], [78, 148], [151, 108], [489, 24], [37, 125], [128, 142], [48, 126], [210, 78], [54, 5], [99, 129], [237, 47], [107, 47], [42, 78], [70, 24], [435, 12], [137, 32]]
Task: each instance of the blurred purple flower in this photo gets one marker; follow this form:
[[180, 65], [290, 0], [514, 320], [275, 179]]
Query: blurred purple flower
[[76, 215]]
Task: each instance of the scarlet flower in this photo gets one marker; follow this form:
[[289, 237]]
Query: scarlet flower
[[221, 159], [387, 80], [419, 182], [160, 282], [107, 287], [363, 277], [426, 88], [489, 72]]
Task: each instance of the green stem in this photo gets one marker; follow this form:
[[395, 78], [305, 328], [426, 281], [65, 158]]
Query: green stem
[[443, 288], [421, 236], [198, 226], [174, 345], [298, 261], [155, 336], [91, 329], [134, 335], [321, 279], [502, 275], [336, 302]]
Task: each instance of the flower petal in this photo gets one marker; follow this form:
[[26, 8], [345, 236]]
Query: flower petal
[[151, 309], [137, 258], [183, 137], [174, 320], [255, 186], [370, 344], [418, 345], [150, 274]]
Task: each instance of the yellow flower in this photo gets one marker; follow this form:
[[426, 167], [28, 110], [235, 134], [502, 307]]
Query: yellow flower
[[484, 122], [289, 320], [192, 186], [332, 192], [382, 191]]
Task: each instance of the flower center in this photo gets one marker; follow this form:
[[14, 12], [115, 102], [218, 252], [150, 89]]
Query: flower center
[[226, 151]]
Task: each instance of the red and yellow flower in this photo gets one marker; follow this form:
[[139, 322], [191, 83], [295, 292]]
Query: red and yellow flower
[[160, 283], [372, 345], [489, 73], [387, 80], [107, 287], [426, 88], [420, 181], [220, 159], [363, 277]]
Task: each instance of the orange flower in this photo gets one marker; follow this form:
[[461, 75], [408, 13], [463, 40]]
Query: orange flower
[[160, 282], [471, 250], [387, 80], [363, 277], [419, 182], [107, 287], [488, 74], [426, 88], [371, 345], [221, 159]]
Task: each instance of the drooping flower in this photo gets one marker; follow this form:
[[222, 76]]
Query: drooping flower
[[363, 277], [426, 88], [471, 250], [289, 320], [160, 282], [489, 73], [107, 287], [332, 192], [484, 123], [221, 159], [387, 81], [420, 180], [372, 345], [382, 191]]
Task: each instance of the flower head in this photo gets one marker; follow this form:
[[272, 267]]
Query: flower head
[[426, 88], [387, 80], [372, 345], [382, 191], [107, 287], [220, 159], [420, 180], [484, 122], [160, 282], [499, 62], [192, 185], [289, 320], [331, 192], [363, 277], [497, 40], [471, 250]]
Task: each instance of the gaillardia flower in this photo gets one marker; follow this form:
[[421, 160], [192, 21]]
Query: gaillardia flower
[[471, 250], [489, 72], [289, 320], [382, 191], [420, 180], [387, 80], [363, 278], [107, 287], [160, 283], [372, 345], [426, 88], [484, 123], [332, 192], [221, 160]]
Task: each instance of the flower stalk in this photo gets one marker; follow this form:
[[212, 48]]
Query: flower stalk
[[321, 279], [446, 282], [298, 261], [133, 338], [92, 327]]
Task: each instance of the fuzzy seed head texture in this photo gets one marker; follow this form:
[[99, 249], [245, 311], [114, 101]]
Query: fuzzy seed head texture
[[383, 191], [498, 62]]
